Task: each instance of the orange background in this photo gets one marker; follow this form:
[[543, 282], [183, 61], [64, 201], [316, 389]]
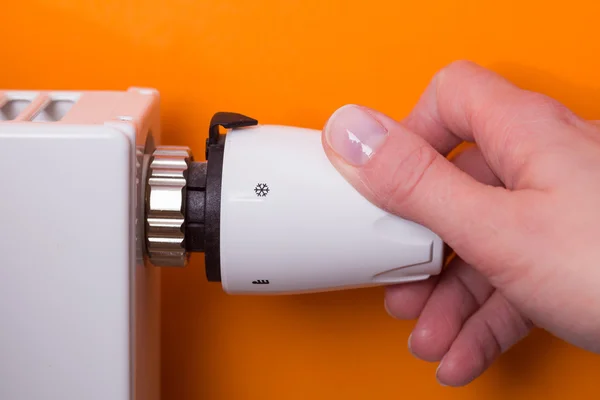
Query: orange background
[[294, 62]]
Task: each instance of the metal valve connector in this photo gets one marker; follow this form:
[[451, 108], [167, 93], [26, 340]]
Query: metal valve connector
[[183, 200], [166, 206]]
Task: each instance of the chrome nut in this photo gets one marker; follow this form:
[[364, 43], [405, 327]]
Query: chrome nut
[[165, 206]]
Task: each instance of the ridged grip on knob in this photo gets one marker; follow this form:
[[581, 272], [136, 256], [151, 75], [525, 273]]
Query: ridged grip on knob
[[165, 206]]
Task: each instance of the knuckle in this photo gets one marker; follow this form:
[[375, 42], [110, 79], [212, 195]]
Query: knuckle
[[409, 176], [456, 86], [458, 68], [459, 72], [543, 107], [516, 128]]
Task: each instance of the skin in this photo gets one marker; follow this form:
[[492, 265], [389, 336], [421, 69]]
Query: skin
[[520, 208]]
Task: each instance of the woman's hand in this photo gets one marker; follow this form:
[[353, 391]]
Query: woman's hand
[[521, 210]]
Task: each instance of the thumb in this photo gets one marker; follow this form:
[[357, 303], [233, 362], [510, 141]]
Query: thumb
[[400, 172]]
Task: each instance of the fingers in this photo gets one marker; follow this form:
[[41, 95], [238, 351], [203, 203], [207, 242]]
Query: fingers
[[400, 172], [468, 102], [406, 301], [459, 293], [424, 119], [492, 330], [472, 161]]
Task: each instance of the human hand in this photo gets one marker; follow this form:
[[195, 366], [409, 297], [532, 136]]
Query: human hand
[[521, 210]]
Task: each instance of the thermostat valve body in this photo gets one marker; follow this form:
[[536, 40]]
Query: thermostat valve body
[[272, 215]]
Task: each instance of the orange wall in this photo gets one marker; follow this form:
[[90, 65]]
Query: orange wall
[[294, 62]]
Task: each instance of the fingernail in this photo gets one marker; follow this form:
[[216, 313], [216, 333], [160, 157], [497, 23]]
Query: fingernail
[[387, 308], [436, 373], [354, 134], [410, 345]]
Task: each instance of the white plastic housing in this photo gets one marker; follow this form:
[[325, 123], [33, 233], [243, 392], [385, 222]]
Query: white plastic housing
[[79, 310], [311, 231]]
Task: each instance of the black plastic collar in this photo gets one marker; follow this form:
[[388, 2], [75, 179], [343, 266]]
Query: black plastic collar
[[204, 198]]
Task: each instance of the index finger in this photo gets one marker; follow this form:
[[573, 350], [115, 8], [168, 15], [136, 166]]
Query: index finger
[[466, 102]]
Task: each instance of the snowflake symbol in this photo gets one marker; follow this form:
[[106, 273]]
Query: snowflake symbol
[[261, 189]]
